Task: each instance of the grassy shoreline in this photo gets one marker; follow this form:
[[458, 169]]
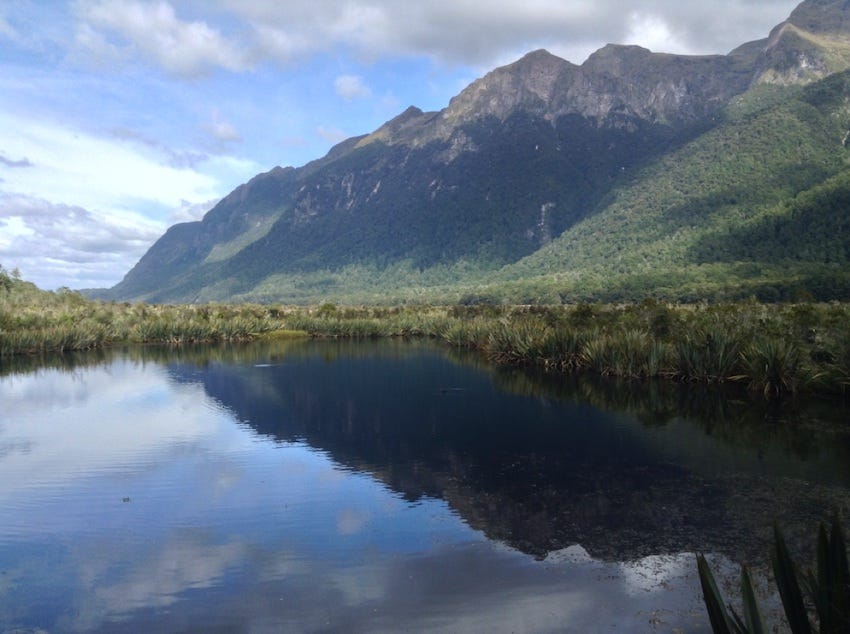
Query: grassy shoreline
[[773, 349]]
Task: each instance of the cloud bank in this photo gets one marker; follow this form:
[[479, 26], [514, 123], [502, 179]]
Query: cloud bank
[[461, 32]]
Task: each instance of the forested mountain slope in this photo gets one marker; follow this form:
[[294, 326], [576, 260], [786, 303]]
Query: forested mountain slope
[[634, 174], [759, 205]]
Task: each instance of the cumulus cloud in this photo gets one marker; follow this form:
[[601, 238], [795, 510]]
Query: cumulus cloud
[[154, 30], [653, 32], [52, 243], [467, 32], [351, 87], [86, 208], [95, 172], [463, 32]]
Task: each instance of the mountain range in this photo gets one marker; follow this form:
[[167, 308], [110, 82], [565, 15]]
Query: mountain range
[[635, 174]]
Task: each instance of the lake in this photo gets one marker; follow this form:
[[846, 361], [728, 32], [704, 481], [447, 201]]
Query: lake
[[383, 486]]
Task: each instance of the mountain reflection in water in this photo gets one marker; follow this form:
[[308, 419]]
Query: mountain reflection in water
[[542, 462], [384, 485]]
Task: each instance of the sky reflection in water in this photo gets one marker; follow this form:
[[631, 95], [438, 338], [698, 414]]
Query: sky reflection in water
[[327, 490]]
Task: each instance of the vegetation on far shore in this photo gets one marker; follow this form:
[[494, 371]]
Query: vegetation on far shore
[[772, 349]]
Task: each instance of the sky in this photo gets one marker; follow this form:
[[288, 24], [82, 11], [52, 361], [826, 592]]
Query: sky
[[120, 118]]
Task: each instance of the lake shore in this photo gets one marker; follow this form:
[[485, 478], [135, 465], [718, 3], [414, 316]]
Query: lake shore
[[774, 350]]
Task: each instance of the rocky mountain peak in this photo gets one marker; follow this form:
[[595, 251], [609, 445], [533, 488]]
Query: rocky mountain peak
[[400, 128], [528, 83], [822, 16], [813, 42], [616, 59]]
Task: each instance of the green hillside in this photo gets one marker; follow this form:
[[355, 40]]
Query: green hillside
[[757, 206]]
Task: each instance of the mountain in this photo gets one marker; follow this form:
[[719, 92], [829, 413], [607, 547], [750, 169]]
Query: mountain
[[633, 174]]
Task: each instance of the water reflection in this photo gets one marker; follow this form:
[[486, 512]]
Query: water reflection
[[625, 470], [315, 486]]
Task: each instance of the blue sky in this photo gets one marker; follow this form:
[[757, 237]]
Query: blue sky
[[119, 118]]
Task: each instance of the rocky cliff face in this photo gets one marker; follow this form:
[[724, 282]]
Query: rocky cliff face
[[812, 43], [822, 16], [615, 84]]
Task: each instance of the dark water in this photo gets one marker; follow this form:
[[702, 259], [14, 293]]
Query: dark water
[[385, 486]]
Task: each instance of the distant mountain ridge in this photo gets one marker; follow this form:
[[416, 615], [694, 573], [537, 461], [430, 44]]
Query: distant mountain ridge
[[533, 182]]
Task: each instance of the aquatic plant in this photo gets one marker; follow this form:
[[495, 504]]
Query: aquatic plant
[[773, 366], [708, 355], [626, 353], [517, 341], [561, 348], [827, 591], [722, 622]]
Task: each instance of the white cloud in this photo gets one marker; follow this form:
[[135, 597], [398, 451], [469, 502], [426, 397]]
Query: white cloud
[[281, 45], [92, 172], [332, 135], [224, 131], [54, 243], [154, 30], [94, 47], [177, 158], [467, 32], [351, 87], [189, 212], [79, 210], [653, 32]]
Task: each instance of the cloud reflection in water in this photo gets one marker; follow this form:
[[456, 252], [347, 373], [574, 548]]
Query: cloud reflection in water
[[136, 501]]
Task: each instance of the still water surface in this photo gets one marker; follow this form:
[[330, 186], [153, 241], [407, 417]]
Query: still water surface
[[384, 486]]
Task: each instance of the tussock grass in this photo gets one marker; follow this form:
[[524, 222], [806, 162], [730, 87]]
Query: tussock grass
[[774, 350], [34, 321]]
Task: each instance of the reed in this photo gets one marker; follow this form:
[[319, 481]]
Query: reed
[[33, 321], [460, 333], [777, 350], [709, 356], [774, 367], [517, 342], [597, 354], [627, 353], [562, 348]]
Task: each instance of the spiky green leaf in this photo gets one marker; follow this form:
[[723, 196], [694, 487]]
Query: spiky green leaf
[[721, 623], [752, 616], [785, 573]]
